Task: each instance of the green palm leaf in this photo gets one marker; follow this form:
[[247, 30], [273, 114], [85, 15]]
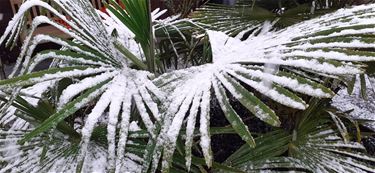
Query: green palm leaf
[[97, 66]]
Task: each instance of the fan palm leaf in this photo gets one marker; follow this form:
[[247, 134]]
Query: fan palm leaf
[[263, 62], [99, 67], [313, 146]]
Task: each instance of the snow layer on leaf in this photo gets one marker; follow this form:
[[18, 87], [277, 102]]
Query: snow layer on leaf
[[149, 102], [204, 128], [114, 110], [287, 82], [143, 113], [24, 7], [353, 44], [33, 94], [268, 91], [124, 129], [190, 127], [41, 57], [60, 157], [90, 21], [37, 90], [75, 89], [92, 119], [272, 47], [330, 55], [262, 49], [358, 107]]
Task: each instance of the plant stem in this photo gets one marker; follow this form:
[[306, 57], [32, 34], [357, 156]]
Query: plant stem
[[151, 58], [131, 56]]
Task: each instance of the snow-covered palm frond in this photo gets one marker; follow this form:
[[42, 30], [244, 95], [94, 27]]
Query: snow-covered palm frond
[[322, 151], [56, 153], [180, 43], [32, 96], [313, 146], [357, 107], [270, 63], [97, 65], [246, 17], [98, 71], [233, 20], [330, 152]]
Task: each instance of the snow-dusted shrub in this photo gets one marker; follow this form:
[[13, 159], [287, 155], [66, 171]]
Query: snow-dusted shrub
[[106, 103]]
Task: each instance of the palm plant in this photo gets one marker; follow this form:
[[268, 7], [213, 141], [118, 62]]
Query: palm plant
[[107, 102]]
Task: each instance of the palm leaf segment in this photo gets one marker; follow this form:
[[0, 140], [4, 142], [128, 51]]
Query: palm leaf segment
[[98, 66], [271, 64], [315, 147], [243, 18]]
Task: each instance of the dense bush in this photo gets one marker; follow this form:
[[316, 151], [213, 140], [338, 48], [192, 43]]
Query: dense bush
[[229, 88]]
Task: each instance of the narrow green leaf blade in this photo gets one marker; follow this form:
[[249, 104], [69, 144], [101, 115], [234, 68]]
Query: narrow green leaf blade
[[234, 119], [66, 111], [50, 74], [252, 103]]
